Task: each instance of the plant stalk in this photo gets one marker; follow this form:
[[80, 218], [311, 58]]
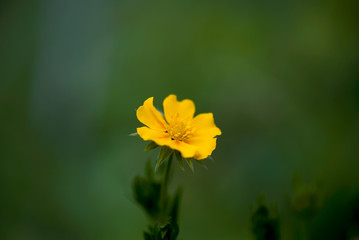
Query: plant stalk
[[164, 188]]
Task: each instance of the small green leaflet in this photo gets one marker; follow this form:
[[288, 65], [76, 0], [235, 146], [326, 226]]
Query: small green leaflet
[[190, 164], [179, 159], [164, 154], [150, 146]]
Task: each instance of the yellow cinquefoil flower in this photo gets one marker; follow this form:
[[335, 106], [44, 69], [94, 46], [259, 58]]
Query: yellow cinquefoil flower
[[193, 137]]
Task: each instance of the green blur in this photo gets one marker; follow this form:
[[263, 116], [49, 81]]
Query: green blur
[[280, 77]]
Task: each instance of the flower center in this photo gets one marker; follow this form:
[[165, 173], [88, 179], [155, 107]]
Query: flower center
[[178, 131]]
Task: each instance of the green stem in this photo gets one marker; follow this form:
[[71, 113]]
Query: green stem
[[164, 188]]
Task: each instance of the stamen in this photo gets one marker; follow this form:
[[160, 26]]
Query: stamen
[[178, 131]]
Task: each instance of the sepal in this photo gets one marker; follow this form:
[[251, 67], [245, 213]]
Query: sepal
[[190, 164], [164, 154], [150, 146], [179, 159]]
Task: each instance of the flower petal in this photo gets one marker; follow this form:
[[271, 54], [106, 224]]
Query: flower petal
[[150, 116], [203, 125], [204, 145], [178, 111], [186, 150], [159, 137]]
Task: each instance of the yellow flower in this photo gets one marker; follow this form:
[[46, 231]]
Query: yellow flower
[[193, 137]]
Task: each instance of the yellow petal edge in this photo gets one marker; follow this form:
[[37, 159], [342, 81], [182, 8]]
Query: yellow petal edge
[[193, 137]]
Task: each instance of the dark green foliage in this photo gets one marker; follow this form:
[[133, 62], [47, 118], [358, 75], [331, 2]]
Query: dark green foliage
[[339, 216], [169, 231], [162, 209], [147, 194], [152, 195], [265, 226]]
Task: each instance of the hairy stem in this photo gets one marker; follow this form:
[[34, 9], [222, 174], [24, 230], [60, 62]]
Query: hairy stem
[[164, 190]]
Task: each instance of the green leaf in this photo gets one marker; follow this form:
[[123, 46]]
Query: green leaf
[[147, 194], [265, 222], [153, 233], [147, 236], [150, 146], [190, 164], [164, 230], [167, 231], [170, 230], [179, 159], [164, 154]]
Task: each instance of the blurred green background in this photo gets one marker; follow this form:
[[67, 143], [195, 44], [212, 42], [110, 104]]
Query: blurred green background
[[281, 77]]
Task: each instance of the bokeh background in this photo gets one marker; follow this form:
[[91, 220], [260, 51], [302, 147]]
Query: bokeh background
[[281, 77]]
